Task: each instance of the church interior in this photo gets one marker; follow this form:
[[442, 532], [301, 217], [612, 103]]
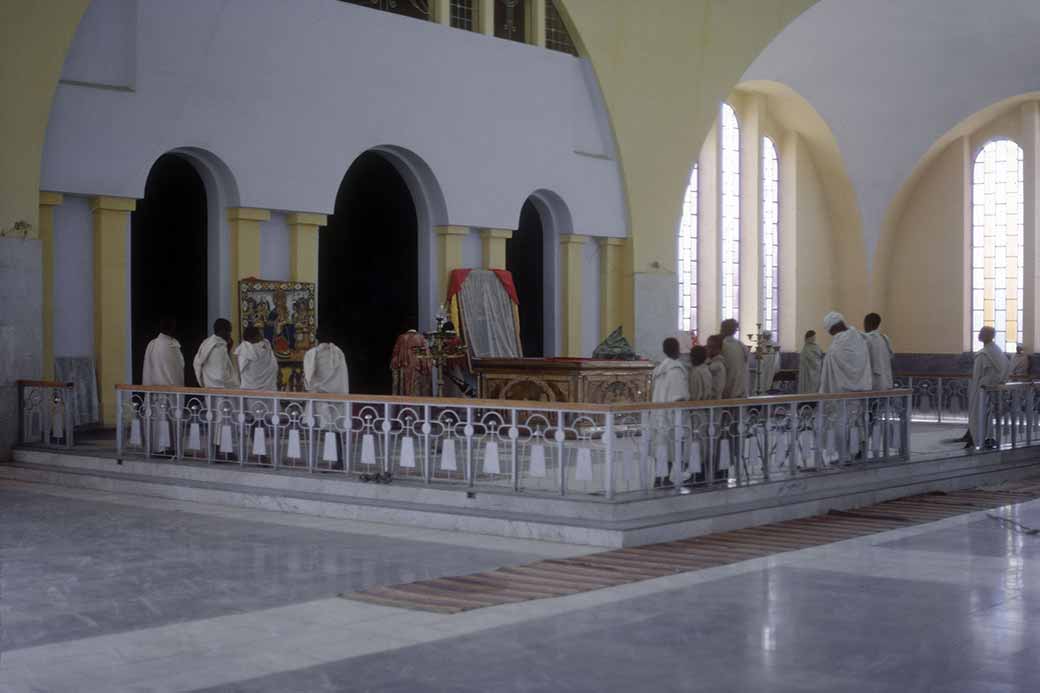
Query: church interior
[[607, 345]]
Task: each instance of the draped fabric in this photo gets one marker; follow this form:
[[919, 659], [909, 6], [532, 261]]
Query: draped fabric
[[411, 373], [257, 366], [81, 372], [213, 365], [881, 354], [488, 315], [846, 367], [810, 361], [163, 362]]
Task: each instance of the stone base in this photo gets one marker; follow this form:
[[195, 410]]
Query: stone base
[[631, 521]]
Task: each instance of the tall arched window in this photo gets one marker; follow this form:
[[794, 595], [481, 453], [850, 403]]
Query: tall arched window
[[688, 257], [730, 250], [770, 239], [997, 253]]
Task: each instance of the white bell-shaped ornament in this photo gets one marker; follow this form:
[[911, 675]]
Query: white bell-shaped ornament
[[135, 434], [294, 452], [695, 457], [328, 452], [583, 466], [194, 437], [491, 465], [163, 435], [259, 441], [368, 449], [407, 453], [226, 445], [448, 462], [536, 468]]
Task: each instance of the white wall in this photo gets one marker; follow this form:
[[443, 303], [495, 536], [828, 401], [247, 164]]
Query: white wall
[[73, 278], [891, 77]]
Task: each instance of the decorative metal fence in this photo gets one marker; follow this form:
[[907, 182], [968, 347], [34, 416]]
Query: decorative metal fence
[[938, 397], [45, 413], [529, 447]]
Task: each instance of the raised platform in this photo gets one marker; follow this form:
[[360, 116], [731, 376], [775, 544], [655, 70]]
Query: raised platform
[[631, 520]]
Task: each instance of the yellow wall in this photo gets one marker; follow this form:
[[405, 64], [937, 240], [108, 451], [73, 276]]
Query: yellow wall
[[663, 67], [34, 37]]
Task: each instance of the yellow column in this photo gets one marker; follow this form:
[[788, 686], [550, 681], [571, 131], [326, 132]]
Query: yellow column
[[441, 10], [486, 17], [571, 260], [244, 227], [493, 246], [303, 245], [610, 284], [111, 220], [536, 27], [48, 201], [449, 254]]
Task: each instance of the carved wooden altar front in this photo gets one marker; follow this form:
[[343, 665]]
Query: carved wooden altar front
[[564, 380]]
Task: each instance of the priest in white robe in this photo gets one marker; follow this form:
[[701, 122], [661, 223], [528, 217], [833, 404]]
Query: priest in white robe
[[768, 364], [881, 353], [257, 365], [716, 366], [325, 367], [846, 367], [735, 354], [163, 359], [1019, 365], [671, 383], [991, 369], [701, 387], [810, 362], [213, 365]]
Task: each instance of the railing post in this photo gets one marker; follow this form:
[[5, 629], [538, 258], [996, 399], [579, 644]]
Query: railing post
[[561, 451], [514, 458], [1030, 404], [608, 446], [939, 391], [821, 436], [67, 410], [119, 423], [243, 422], [677, 441], [147, 425], [904, 435], [388, 414], [471, 472], [426, 428], [766, 438]]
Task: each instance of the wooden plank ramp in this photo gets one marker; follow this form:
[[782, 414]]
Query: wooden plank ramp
[[560, 577]]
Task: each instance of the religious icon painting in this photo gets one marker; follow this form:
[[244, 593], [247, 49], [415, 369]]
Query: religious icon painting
[[286, 313]]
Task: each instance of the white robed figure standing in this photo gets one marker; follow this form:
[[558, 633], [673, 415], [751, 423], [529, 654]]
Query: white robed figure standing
[[1019, 365], [991, 369], [846, 367], [881, 353], [256, 362], [213, 365], [671, 383], [735, 354], [325, 367], [768, 364], [163, 359], [810, 362]]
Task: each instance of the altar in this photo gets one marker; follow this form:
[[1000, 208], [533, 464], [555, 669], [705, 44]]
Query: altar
[[596, 381]]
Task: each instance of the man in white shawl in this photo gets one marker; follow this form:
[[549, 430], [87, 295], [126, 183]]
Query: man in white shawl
[[991, 369], [768, 364], [163, 359], [325, 367], [256, 362], [213, 365], [670, 384], [735, 354], [810, 361], [881, 352], [1019, 365], [846, 367]]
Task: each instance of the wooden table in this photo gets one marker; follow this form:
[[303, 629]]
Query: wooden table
[[564, 380]]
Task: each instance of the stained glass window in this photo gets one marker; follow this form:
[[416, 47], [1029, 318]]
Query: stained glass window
[[688, 257], [730, 245], [770, 283], [997, 253], [462, 14]]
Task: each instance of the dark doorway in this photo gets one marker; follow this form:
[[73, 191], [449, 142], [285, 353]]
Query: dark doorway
[[368, 263], [525, 259], [168, 260]]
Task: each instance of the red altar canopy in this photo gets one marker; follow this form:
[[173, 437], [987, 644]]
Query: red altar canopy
[[457, 309]]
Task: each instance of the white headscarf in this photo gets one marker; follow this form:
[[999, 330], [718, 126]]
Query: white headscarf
[[832, 319]]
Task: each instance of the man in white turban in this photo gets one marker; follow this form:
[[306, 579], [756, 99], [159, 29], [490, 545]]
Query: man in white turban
[[213, 365], [256, 362], [991, 369], [846, 367]]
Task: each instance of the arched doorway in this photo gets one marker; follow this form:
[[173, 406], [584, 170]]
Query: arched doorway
[[525, 258], [368, 284], [168, 270]]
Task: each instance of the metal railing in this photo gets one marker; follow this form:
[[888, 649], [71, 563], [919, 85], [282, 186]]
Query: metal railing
[[45, 413], [1009, 416], [938, 397], [530, 447]]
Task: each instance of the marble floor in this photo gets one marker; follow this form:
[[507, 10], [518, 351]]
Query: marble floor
[[109, 593]]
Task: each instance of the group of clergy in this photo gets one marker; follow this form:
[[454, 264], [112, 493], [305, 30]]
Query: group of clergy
[[249, 366]]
